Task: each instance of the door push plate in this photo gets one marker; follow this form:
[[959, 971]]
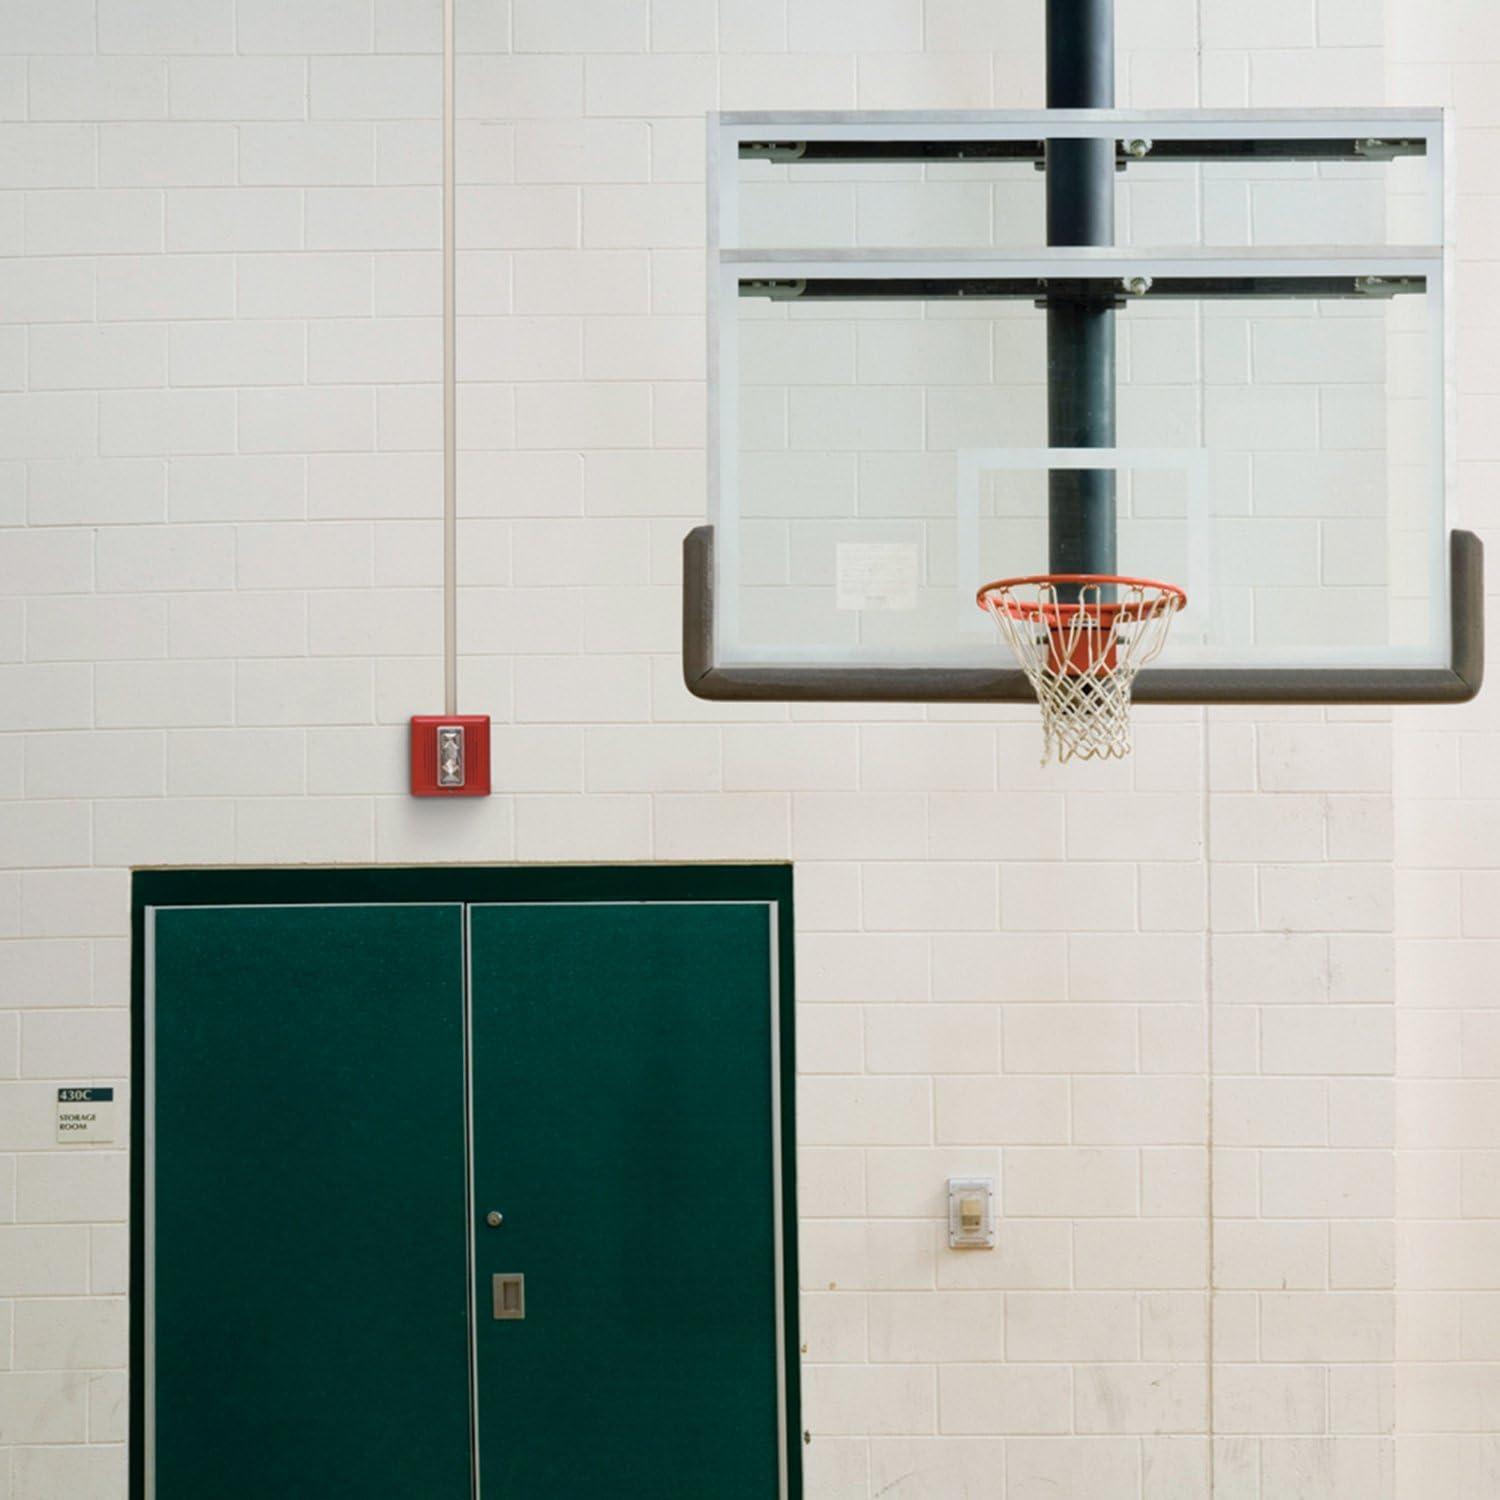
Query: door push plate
[[509, 1292]]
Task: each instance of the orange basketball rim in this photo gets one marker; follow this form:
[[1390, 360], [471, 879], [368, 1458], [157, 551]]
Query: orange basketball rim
[[1081, 638]]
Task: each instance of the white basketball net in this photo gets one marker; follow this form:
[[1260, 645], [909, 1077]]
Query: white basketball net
[[1081, 654]]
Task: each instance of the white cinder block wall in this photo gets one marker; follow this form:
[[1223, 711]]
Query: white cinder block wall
[[219, 483]]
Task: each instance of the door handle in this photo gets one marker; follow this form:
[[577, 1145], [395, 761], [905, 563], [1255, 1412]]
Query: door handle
[[508, 1291]]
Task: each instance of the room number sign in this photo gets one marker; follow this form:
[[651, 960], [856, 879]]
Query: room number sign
[[85, 1116]]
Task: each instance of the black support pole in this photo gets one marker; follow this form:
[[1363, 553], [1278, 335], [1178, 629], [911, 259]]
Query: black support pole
[[1081, 326]]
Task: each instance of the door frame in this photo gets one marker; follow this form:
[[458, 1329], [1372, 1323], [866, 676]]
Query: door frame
[[759, 884]]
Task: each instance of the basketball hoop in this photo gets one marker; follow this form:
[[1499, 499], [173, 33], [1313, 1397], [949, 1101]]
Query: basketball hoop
[[1081, 652]]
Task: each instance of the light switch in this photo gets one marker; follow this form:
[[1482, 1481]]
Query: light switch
[[971, 1213]]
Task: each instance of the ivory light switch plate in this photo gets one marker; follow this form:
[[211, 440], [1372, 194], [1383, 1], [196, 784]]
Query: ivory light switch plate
[[971, 1213]]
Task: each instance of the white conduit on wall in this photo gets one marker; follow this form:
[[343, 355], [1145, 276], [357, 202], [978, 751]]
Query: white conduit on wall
[[450, 382]]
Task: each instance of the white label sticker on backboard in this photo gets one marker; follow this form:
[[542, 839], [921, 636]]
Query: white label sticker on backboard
[[85, 1115], [877, 575]]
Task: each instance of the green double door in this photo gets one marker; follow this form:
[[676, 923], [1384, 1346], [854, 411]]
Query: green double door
[[463, 1199]]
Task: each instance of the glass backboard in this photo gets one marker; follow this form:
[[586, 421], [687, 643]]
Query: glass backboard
[[879, 389]]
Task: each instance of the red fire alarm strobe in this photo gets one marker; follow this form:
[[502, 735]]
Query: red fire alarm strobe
[[450, 755]]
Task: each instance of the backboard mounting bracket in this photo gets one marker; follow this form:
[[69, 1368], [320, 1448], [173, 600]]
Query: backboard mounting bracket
[[705, 677], [1128, 150]]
